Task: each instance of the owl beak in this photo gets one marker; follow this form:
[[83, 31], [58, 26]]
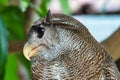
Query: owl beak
[[27, 51], [30, 51]]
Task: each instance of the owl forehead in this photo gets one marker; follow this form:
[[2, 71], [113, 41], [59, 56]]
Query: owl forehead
[[39, 21], [47, 21]]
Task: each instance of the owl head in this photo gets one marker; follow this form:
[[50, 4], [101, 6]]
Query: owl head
[[53, 35]]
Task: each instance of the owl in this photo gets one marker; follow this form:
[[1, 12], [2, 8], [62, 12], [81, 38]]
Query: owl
[[61, 48]]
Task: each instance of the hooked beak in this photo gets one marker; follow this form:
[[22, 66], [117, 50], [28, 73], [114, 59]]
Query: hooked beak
[[31, 51]]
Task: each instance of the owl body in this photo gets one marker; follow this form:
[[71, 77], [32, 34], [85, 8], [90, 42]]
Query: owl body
[[61, 48]]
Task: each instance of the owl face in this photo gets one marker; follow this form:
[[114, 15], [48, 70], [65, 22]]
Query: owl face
[[53, 36], [42, 37]]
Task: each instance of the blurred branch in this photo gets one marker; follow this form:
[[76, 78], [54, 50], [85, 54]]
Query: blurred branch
[[17, 46], [14, 2], [30, 14], [112, 44]]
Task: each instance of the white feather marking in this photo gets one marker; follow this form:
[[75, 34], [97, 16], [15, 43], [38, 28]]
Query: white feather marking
[[57, 71]]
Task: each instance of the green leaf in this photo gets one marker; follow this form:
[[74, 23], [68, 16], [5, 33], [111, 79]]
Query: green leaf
[[42, 11], [43, 7], [3, 1], [11, 68], [13, 18], [3, 48], [24, 4], [1, 7], [65, 6]]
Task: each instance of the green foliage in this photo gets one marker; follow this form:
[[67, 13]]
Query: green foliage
[[3, 48], [13, 18], [3, 2], [65, 6], [11, 68], [23, 4], [11, 25], [43, 8]]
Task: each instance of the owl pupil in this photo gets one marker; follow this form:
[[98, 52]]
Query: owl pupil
[[40, 32]]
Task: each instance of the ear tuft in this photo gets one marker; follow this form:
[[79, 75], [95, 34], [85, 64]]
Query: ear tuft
[[48, 17]]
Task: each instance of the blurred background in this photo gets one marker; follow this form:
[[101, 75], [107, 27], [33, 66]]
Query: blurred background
[[101, 17]]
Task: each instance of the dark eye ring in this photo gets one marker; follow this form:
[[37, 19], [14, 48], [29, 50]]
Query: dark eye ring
[[40, 32]]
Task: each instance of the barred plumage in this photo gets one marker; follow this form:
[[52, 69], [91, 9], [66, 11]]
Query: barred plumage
[[67, 51]]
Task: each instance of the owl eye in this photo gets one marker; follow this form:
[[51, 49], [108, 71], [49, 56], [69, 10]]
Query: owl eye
[[40, 32]]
